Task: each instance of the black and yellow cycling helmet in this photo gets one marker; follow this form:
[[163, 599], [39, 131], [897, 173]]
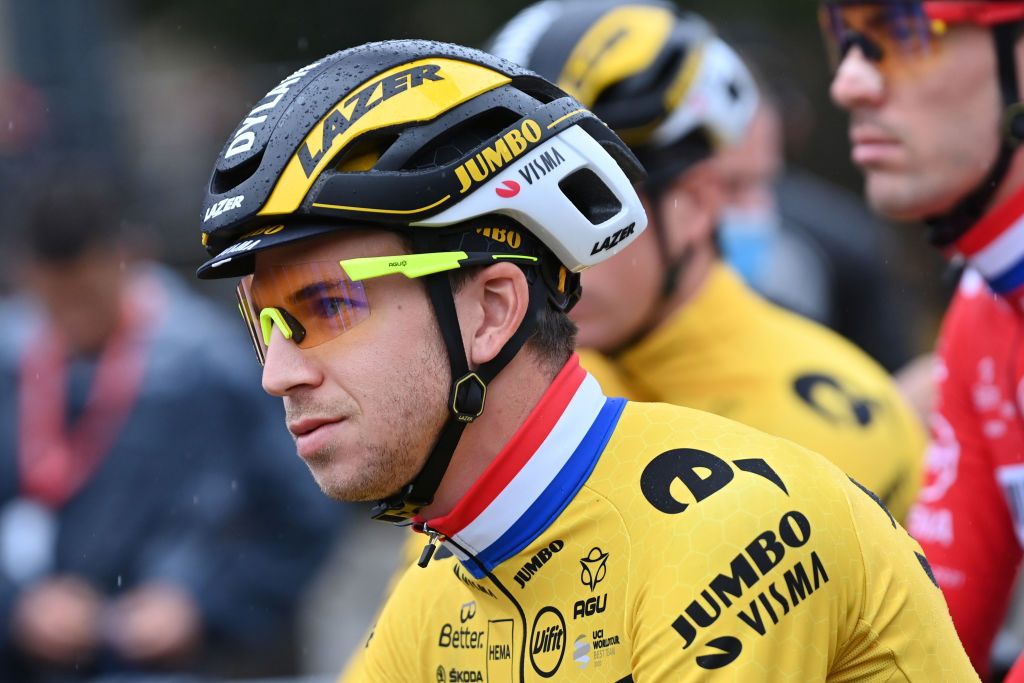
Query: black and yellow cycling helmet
[[417, 136], [661, 78]]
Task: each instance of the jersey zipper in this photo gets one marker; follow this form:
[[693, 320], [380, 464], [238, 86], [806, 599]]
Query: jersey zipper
[[501, 587], [430, 547]]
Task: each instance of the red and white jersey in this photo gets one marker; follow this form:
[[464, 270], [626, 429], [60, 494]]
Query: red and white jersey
[[969, 517]]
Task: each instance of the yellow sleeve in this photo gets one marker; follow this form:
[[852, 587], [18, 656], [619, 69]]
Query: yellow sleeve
[[903, 622], [410, 553]]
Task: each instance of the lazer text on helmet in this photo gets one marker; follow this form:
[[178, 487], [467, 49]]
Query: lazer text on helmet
[[361, 102]]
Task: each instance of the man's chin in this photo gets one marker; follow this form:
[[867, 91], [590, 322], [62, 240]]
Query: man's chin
[[887, 198], [349, 489]]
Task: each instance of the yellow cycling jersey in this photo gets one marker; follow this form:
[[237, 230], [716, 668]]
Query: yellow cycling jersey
[[616, 541], [729, 352]]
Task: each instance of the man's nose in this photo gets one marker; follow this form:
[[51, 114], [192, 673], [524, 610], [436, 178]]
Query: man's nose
[[286, 367], [857, 82]]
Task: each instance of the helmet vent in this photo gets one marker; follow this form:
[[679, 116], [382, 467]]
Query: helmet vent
[[590, 195], [225, 181], [460, 140], [364, 153]]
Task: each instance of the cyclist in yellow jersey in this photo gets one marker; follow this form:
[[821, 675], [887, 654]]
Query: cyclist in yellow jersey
[[670, 321], [596, 539]]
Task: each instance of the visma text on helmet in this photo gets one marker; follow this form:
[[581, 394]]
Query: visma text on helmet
[[509, 146]]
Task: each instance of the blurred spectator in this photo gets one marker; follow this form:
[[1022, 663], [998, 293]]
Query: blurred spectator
[[808, 245], [153, 515]]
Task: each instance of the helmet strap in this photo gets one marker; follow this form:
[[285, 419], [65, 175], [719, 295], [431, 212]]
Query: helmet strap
[[951, 226], [466, 397]]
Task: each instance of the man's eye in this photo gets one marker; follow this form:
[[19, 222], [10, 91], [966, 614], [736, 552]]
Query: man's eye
[[329, 306]]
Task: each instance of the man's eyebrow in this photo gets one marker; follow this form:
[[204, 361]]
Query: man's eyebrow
[[314, 289]]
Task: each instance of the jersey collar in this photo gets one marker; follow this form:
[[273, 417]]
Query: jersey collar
[[995, 248], [535, 476]]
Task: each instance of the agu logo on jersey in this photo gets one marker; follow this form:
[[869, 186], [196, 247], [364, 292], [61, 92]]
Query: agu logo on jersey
[[594, 568], [547, 642]]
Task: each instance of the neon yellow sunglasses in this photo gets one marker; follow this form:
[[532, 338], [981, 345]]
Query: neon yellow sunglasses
[[314, 302]]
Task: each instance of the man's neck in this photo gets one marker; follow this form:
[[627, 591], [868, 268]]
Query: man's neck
[[510, 398], [692, 278]]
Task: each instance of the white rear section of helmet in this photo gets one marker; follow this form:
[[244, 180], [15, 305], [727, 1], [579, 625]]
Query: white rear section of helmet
[[722, 99], [521, 34], [529, 192]]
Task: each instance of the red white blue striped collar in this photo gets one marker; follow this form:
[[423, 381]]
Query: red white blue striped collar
[[535, 476], [995, 248]]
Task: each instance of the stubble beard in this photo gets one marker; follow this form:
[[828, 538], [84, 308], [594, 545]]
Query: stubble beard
[[377, 468]]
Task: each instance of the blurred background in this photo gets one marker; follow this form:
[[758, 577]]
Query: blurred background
[[141, 95], [151, 88]]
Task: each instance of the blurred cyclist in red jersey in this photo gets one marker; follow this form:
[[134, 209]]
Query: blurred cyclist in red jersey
[[933, 93]]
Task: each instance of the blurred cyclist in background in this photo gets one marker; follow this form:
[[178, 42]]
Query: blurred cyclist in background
[[808, 245], [933, 92], [148, 520], [670, 321]]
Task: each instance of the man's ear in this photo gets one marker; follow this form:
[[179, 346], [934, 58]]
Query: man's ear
[[691, 205], [491, 306]]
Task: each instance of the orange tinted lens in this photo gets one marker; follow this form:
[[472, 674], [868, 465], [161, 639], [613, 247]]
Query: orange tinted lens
[[897, 36], [318, 295], [251, 317]]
